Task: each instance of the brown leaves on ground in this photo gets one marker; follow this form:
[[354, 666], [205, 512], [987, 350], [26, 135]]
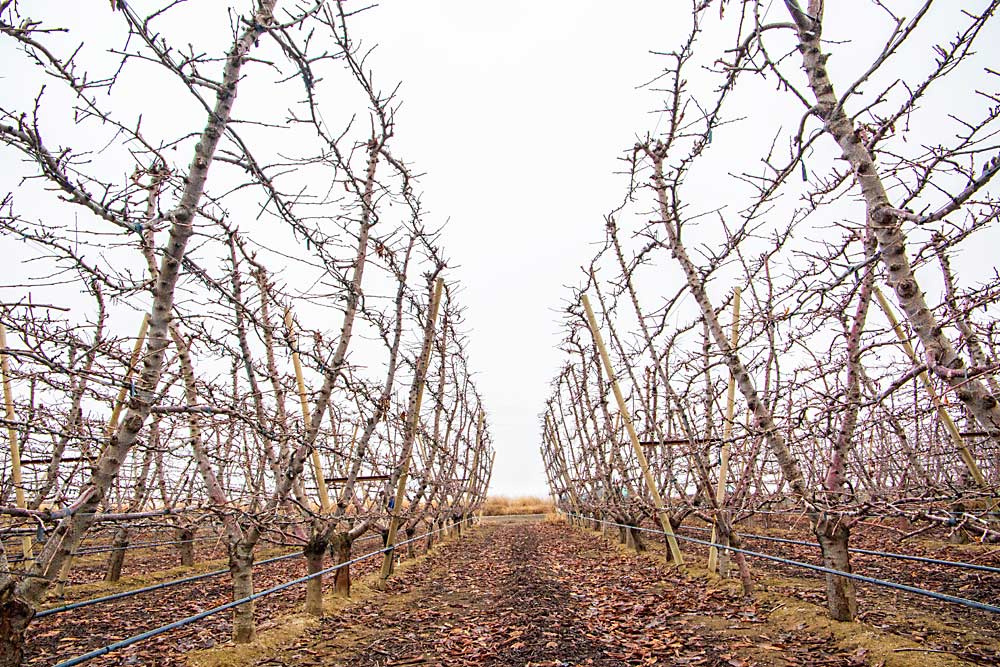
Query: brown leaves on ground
[[546, 595]]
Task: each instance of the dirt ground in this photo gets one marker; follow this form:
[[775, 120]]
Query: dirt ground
[[529, 592], [548, 595]]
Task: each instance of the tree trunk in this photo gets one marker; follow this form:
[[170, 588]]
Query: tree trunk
[[117, 558], [241, 572], [633, 540], [410, 532], [723, 530], [741, 563], [186, 548], [840, 593], [430, 538], [314, 551], [15, 615], [958, 536], [340, 549]]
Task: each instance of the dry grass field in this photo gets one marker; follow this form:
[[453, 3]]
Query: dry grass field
[[502, 506]]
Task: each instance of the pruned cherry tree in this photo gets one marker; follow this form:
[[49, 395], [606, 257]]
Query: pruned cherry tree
[[222, 300], [793, 295]]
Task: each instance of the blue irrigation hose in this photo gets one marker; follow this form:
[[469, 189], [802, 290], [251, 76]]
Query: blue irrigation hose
[[165, 584], [98, 549], [104, 548], [982, 606], [154, 587], [96, 653], [868, 552]]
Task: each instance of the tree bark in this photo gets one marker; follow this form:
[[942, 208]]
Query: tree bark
[[314, 551], [340, 549], [840, 591], [241, 572], [633, 540], [410, 532], [15, 615], [186, 547], [117, 558]]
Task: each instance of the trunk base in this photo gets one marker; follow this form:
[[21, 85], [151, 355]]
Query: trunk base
[[116, 560], [186, 547], [340, 549], [15, 616], [314, 551], [241, 571], [840, 591]]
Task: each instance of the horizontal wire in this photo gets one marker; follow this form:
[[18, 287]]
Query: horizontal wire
[[149, 634], [165, 584], [868, 552], [982, 606]]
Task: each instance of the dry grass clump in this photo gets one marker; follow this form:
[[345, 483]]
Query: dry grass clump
[[501, 506]]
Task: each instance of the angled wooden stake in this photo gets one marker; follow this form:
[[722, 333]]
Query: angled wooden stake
[[474, 476], [15, 452], [413, 423], [661, 511], [727, 433], [317, 464], [949, 424], [116, 411], [562, 467]]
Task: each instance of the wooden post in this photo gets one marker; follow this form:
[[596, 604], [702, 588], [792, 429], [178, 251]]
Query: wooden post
[[15, 452], [317, 465], [474, 476], [949, 424], [574, 500], [414, 423], [109, 430], [116, 410], [727, 434], [661, 512]]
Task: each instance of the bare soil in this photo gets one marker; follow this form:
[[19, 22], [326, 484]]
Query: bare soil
[[548, 595]]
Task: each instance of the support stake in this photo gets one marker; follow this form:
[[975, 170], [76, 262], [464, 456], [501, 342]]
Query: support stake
[[949, 424], [661, 511], [317, 464], [413, 424], [727, 434], [15, 452]]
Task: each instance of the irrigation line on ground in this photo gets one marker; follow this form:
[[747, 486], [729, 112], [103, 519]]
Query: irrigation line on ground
[[982, 606], [104, 548], [149, 634], [803, 513], [867, 552], [165, 584]]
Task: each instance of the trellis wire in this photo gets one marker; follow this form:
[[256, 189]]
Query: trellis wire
[[982, 606], [149, 634], [165, 584], [867, 552]]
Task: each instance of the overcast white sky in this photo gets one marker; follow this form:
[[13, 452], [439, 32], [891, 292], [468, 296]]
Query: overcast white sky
[[517, 112]]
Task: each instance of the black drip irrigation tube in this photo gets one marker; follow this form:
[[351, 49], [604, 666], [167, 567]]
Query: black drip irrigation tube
[[105, 548], [165, 584], [973, 604], [804, 512], [867, 552], [149, 634]]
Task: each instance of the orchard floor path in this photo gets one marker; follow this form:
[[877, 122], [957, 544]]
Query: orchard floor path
[[546, 595]]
